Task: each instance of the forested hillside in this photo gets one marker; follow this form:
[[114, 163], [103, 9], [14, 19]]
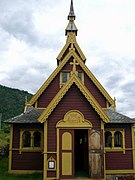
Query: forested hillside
[[12, 101]]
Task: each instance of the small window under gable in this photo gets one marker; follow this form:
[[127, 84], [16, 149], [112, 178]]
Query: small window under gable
[[65, 77], [80, 75]]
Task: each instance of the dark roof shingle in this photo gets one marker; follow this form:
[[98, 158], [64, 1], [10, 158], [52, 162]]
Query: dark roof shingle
[[116, 117], [32, 115], [27, 117]]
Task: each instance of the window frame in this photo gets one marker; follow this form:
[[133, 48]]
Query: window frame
[[114, 148], [31, 148], [69, 72], [82, 76], [61, 73]]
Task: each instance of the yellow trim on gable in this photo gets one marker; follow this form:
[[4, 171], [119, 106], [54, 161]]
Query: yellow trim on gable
[[57, 70], [94, 79], [62, 92], [51, 77], [71, 39], [62, 51]]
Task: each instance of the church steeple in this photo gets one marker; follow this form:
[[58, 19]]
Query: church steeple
[[71, 27], [71, 12]]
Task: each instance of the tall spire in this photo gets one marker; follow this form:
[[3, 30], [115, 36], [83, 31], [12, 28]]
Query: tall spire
[[71, 12], [71, 27]]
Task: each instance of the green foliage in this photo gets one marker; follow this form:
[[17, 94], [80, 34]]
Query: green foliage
[[5, 176], [12, 101], [4, 138]]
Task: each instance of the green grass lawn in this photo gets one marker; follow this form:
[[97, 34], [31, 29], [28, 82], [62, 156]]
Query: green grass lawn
[[5, 176]]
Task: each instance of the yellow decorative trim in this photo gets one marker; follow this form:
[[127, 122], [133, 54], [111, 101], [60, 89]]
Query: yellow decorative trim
[[58, 156], [80, 51], [10, 148], [70, 73], [31, 148], [51, 159], [61, 83], [51, 77], [45, 150], [71, 38], [57, 70], [124, 171], [24, 171], [94, 79], [74, 119], [62, 92], [113, 148], [62, 51], [49, 152], [36, 104]]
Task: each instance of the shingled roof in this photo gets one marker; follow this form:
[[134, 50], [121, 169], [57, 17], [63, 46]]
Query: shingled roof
[[116, 117], [32, 115], [27, 117]]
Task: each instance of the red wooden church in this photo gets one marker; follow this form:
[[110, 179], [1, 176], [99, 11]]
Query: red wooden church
[[70, 128]]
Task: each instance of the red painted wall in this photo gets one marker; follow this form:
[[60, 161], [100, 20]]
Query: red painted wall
[[49, 93], [54, 87], [95, 91], [25, 160], [74, 99], [118, 160]]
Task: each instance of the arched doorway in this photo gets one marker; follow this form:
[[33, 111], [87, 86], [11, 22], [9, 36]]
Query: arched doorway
[[72, 140]]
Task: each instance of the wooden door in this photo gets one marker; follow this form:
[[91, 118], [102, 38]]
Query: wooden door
[[66, 153], [96, 154]]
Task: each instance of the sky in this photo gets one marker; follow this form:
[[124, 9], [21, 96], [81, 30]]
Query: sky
[[32, 33]]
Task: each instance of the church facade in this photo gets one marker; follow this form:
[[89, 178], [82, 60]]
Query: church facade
[[70, 128]]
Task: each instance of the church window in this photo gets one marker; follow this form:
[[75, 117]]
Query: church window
[[65, 77], [117, 139], [26, 139], [80, 75], [31, 140], [37, 139], [108, 139]]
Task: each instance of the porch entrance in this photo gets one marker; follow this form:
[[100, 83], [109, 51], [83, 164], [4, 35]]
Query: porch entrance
[[80, 148], [81, 152]]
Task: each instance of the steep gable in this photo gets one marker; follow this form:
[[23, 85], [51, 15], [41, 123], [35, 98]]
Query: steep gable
[[71, 43], [60, 67], [64, 90]]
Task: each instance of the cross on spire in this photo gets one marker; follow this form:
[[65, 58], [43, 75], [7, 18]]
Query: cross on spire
[[74, 63]]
